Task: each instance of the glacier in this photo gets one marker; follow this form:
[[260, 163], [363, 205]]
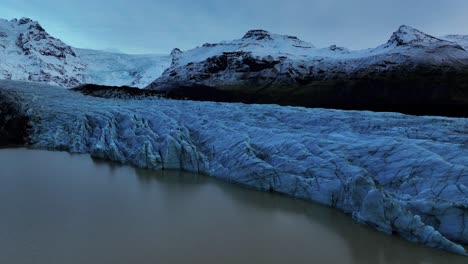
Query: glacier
[[400, 174], [119, 69]]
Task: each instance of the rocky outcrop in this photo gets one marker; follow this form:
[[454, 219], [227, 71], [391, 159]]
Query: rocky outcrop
[[407, 36], [36, 40], [14, 126], [401, 174], [176, 52], [113, 92]]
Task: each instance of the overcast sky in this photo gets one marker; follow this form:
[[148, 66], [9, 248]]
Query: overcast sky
[[153, 26]]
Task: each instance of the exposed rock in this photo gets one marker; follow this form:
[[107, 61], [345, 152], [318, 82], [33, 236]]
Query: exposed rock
[[257, 34], [336, 48], [14, 127], [176, 51]]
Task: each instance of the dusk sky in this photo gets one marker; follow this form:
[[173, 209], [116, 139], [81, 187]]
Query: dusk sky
[[147, 26]]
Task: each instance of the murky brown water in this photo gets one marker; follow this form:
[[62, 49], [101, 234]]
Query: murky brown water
[[62, 208]]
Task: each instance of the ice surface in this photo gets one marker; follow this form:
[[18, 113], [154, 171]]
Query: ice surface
[[117, 69], [401, 174]]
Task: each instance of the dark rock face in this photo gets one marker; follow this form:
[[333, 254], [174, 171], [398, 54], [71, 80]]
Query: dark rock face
[[13, 121], [239, 62], [336, 48], [257, 34], [176, 51], [217, 64], [419, 91], [120, 92], [242, 65], [256, 65], [24, 20], [53, 48]]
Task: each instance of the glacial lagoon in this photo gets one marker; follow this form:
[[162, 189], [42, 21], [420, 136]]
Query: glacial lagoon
[[56, 207]]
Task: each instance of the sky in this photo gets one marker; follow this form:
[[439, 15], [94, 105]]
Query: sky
[[154, 26]]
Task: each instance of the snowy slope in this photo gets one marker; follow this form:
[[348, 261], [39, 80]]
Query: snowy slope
[[462, 40], [262, 43], [29, 53], [401, 174], [262, 59]]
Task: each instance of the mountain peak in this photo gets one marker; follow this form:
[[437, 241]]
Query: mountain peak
[[276, 41], [22, 24], [175, 52], [24, 20], [406, 35], [257, 34]]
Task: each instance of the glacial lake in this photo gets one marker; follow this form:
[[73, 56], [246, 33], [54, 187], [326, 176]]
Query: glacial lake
[[61, 208]]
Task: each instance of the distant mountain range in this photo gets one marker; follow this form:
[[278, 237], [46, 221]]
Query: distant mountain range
[[262, 59], [412, 70]]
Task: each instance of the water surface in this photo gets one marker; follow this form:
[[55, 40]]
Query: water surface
[[62, 208]]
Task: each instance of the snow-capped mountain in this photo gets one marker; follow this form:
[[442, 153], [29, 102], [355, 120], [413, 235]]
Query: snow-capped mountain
[[266, 67], [280, 57], [259, 67], [29, 53]]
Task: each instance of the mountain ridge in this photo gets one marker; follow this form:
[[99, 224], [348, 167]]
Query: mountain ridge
[[411, 68], [261, 65]]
